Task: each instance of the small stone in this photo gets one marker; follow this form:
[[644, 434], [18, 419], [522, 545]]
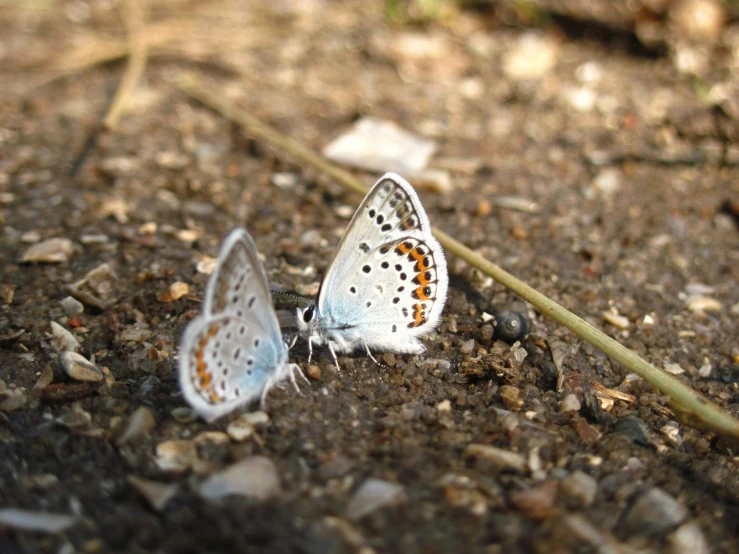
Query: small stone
[[616, 320], [389, 359], [62, 340], [688, 539], [135, 334], [569, 403], [55, 250], [43, 522], [75, 418], [445, 406], [314, 372], [654, 513], [175, 291], [212, 439], [72, 306], [467, 347], [484, 208], [371, 496], [141, 422], [176, 455], [699, 20], [254, 477], [706, 369], [148, 228], [206, 265], [633, 429], [156, 494], [532, 57], [486, 332], [502, 459], [580, 488], [607, 182], [79, 368], [700, 304], [240, 429], [256, 418], [45, 379], [673, 368], [380, 145], [13, 399], [587, 433], [285, 181], [183, 414], [510, 397], [537, 502]]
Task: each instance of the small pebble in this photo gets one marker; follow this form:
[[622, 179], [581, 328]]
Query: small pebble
[[141, 422], [673, 368], [633, 429], [79, 368], [55, 250], [176, 455], [389, 359], [254, 477], [240, 429], [569, 403], [314, 372], [510, 397], [72, 306], [371, 496], [654, 513], [468, 347], [502, 459], [62, 340], [538, 501], [616, 320], [43, 522], [156, 494], [445, 406], [532, 57], [688, 539], [184, 414], [175, 291], [700, 304], [486, 332], [580, 488]]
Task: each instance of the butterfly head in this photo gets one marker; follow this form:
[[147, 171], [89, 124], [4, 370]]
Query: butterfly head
[[307, 319]]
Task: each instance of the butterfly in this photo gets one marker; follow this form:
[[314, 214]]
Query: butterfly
[[387, 284], [233, 352]]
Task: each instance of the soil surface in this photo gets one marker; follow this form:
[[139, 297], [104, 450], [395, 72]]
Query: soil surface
[[623, 140]]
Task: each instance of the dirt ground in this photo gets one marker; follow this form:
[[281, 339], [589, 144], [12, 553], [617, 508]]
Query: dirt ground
[[620, 128]]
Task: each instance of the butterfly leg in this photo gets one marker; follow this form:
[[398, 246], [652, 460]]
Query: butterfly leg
[[370, 353], [333, 353], [265, 390], [296, 368], [310, 348], [292, 343]]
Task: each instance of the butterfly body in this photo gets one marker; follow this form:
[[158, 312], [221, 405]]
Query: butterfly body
[[233, 353], [387, 285]]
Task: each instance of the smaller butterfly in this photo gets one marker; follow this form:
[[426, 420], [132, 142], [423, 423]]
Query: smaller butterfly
[[234, 352], [387, 285]]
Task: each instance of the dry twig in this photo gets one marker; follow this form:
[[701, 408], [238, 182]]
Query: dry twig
[[138, 49], [701, 411]]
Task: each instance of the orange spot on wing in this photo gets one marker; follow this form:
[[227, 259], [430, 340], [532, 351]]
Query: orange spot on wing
[[421, 293], [404, 248], [420, 259], [202, 368], [214, 396], [418, 315]]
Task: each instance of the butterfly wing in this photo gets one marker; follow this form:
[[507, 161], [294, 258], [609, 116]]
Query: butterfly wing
[[389, 278], [233, 350]]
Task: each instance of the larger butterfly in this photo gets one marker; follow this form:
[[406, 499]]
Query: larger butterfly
[[387, 285], [233, 352]]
